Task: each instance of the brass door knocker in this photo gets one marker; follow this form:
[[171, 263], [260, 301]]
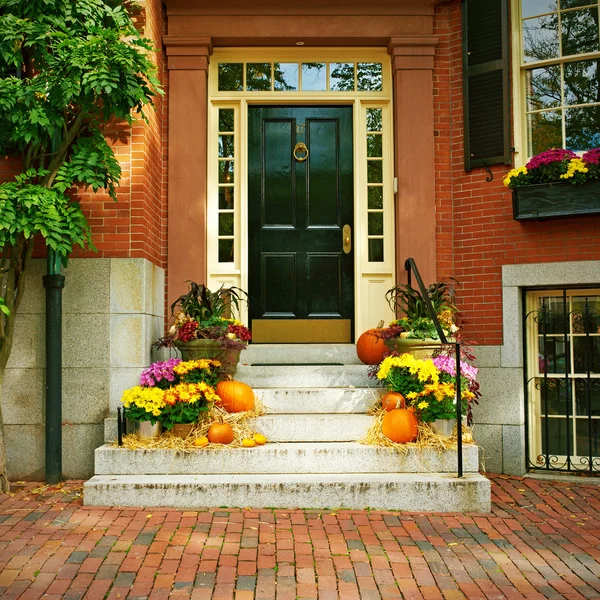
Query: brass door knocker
[[302, 147]]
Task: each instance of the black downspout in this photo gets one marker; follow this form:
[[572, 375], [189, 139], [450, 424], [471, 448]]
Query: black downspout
[[54, 283]]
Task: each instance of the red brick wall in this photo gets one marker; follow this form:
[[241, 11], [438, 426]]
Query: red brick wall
[[476, 233], [135, 225]]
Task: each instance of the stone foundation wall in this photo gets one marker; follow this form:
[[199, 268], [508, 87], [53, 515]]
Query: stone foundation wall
[[113, 309]]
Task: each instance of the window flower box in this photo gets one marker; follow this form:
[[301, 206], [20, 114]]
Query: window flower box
[[556, 183], [552, 200]]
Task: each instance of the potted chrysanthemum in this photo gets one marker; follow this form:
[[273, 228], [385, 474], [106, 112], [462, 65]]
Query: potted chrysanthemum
[[429, 387], [556, 183], [172, 394]]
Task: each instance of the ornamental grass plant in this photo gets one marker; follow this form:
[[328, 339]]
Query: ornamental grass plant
[[554, 166]]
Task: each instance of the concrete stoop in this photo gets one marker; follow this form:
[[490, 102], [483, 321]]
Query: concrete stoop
[[316, 412]]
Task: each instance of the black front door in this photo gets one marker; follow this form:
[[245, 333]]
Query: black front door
[[300, 200]]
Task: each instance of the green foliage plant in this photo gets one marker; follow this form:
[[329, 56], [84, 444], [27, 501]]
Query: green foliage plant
[[416, 321], [202, 305], [73, 66]]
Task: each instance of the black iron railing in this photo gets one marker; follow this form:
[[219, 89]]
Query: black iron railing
[[411, 269], [562, 381]]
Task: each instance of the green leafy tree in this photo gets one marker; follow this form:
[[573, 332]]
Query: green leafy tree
[[76, 65]]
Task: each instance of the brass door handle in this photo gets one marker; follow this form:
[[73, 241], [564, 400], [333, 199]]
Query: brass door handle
[[347, 239]]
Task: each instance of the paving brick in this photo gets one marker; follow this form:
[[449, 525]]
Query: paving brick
[[540, 541]]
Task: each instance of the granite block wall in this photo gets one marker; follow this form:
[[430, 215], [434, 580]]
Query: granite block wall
[[113, 309]]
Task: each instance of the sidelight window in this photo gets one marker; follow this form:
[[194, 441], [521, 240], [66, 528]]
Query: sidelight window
[[226, 184], [375, 183]]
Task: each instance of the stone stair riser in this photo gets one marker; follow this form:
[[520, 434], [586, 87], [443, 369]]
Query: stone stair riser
[[345, 376], [318, 400], [288, 458], [315, 354], [412, 492], [312, 428]]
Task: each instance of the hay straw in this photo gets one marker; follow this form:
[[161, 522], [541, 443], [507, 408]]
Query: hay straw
[[168, 441], [426, 438]]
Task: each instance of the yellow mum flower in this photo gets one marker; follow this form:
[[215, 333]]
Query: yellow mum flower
[[203, 363], [149, 399], [412, 395], [422, 405], [514, 173], [576, 165]]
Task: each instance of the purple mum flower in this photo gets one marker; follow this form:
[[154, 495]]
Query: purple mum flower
[[448, 365], [592, 156], [159, 371], [550, 156]]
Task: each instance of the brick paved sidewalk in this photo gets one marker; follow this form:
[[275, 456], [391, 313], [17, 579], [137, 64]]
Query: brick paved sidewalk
[[542, 540]]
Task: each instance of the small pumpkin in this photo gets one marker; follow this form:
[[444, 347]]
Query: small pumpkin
[[393, 400], [260, 439], [248, 443], [400, 425], [201, 442], [370, 347], [220, 433], [235, 396]]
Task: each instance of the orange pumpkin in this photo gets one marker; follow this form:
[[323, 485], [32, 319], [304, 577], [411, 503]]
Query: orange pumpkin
[[370, 348], [235, 396], [393, 400], [400, 425], [220, 433]]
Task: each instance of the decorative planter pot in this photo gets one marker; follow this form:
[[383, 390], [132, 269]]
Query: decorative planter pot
[[147, 430], [443, 427], [229, 357], [418, 348], [182, 430], [553, 200]]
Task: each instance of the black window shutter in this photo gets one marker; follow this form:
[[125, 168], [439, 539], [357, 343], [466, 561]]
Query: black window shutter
[[486, 83]]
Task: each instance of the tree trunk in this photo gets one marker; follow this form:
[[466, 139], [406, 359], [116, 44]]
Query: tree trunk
[[12, 286], [4, 484]]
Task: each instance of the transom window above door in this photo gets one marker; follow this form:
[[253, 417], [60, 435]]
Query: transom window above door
[[300, 77]]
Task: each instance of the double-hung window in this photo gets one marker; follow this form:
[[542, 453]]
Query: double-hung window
[[560, 73]]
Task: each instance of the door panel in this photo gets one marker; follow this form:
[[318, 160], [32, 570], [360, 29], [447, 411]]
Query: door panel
[[324, 271], [299, 273], [279, 272], [323, 186], [278, 198]]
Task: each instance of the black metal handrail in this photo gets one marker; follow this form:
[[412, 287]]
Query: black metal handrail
[[411, 268]]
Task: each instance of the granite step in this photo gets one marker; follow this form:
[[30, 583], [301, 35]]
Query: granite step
[[294, 457], [432, 492]]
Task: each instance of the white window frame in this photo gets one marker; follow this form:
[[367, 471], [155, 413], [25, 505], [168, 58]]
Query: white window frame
[[519, 92]]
